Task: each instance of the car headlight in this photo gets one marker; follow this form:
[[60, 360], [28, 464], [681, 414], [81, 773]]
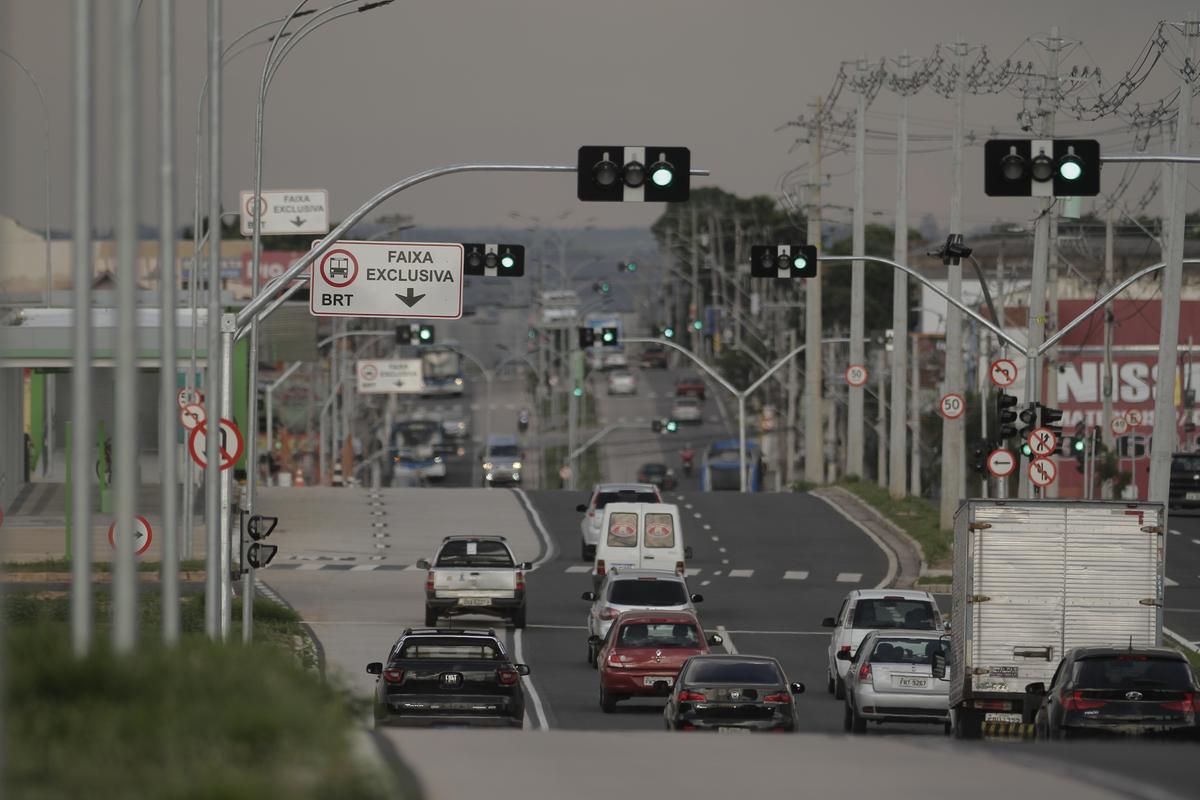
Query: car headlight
[[437, 459], [487, 465], [516, 476], [516, 465], [458, 381]]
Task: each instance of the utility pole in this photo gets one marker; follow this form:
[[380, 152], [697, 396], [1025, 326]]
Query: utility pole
[[1051, 358], [1166, 432], [697, 337], [914, 423], [814, 449], [1106, 381], [789, 455], [854, 416], [212, 375], [953, 456], [899, 301], [881, 454]]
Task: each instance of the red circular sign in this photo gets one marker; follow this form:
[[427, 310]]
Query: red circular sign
[[198, 444], [1003, 372], [143, 534], [188, 396], [1042, 441], [1001, 463], [952, 406], [249, 206], [339, 268], [1042, 471], [856, 375], [368, 372], [192, 415]]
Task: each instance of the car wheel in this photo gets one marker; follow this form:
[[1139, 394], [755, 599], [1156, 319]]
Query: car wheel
[[431, 617], [829, 687], [858, 725], [839, 688], [583, 553], [591, 656], [847, 718], [608, 701], [518, 617], [968, 724], [947, 729]]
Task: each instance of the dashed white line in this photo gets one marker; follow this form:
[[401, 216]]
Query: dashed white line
[[1175, 532], [721, 549], [696, 515], [705, 583], [1195, 541], [1168, 582], [849, 577], [364, 567], [679, 497], [741, 573], [728, 641], [707, 527], [693, 572], [529, 687], [578, 568], [687, 505], [716, 538], [795, 575], [310, 566], [716, 572]]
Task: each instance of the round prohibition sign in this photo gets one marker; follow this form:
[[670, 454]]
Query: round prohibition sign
[[1003, 372], [230, 446], [143, 535], [1134, 417], [248, 206], [368, 372], [1119, 425], [339, 268], [1042, 441], [952, 406], [189, 396], [1042, 471], [192, 416], [856, 375], [1001, 463]]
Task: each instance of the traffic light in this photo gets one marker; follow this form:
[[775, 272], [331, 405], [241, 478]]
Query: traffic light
[[783, 261], [609, 337], [1029, 421], [634, 174], [602, 287], [1052, 418], [1006, 417], [979, 456], [1041, 167], [626, 266], [414, 334], [404, 334], [697, 325], [494, 260], [1079, 444], [664, 426], [577, 391], [259, 527], [425, 334], [587, 338], [668, 332]]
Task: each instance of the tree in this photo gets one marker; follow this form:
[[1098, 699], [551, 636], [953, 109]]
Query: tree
[[835, 284]]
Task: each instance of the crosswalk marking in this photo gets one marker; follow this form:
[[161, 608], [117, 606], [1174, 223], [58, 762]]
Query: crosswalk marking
[[310, 566], [795, 575], [849, 577], [364, 567], [579, 568], [741, 573]]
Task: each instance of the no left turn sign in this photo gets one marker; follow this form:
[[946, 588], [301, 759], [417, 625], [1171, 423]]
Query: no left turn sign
[[1042, 471], [856, 375], [1001, 463], [1003, 372], [192, 415], [143, 534], [1043, 442], [952, 406]]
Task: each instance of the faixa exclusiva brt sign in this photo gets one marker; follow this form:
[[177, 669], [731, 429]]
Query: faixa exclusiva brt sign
[[415, 280]]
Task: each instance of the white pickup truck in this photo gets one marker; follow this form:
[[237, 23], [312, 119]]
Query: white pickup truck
[[474, 575]]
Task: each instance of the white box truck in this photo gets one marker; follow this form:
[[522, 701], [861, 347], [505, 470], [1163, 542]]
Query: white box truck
[[1035, 578]]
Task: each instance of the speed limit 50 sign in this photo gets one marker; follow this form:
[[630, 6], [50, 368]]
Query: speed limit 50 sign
[[952, 406]]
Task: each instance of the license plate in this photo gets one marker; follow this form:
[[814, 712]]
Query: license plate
[[474, 601], [650, 680], [1192, 496], [905, 682], [995, 716], [726, 729]]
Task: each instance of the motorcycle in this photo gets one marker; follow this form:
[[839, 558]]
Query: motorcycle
[[687, 457], [523, 420]]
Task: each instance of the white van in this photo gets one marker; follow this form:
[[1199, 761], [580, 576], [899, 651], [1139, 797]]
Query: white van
[[640, 536]]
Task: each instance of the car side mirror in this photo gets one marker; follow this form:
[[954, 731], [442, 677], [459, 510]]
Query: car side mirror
[[829, 622], [375, 668], [844, 655], [715, 640], [522, 669], [525, 565], [687, 552], [589, 596], [797, 688], [938, 666], [697, 598], [1035, 688], [946, 625], [581, 508], [422, 563], [594, 640]]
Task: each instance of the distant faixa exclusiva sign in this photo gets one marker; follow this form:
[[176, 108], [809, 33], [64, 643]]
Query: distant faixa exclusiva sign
[[413, 280]]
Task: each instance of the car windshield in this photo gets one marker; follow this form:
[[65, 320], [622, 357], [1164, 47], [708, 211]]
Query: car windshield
[[449, 649], [894, 612], [665, 634], [650, 592], [687, 401], [707, 672], [504, 451], [625, 496], [1185, 464], [1131, 672], [474, 554], [905, 651]]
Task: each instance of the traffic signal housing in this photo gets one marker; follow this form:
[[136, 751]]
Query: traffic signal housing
[[404, 334], [1079, 445], [425, 334], [1052, 418], [784, 261], [414, 333], [259, 527], [587, 338], [664, 426], [1006, 417], [601, 287], [618, 174], [494, 260], [626, 266], [979, 456], [1029, 421], [1041, 167], [610, 337]]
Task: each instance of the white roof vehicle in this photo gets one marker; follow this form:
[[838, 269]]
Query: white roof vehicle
[[635, 590]]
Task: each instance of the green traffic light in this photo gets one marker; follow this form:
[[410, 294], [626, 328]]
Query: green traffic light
[[426, 334], [507, 261], [1078, 445], [608, 337], [697, 325], [604, 287], [1026, 450], [578, 392], [672, 426], [799, 262], [669, 332], [662, 176], [1070, 168]]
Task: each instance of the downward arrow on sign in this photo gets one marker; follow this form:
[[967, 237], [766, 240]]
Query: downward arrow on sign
[[298, 221], [409, 298]]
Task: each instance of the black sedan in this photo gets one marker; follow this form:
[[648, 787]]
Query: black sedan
[[440, 676], [658, 474], [732, 694], [1104, 691]]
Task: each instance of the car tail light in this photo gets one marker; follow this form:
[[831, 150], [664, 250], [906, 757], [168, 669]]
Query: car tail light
[[844, 648], [780, 697], [520, 581], [864, 674], [608, 612], [600, 566], [392, 675], [993, 705], [1187, 705], [507, 677], [687, 726], [429, 581], [1076, 702], [680, 569], [688, 696]]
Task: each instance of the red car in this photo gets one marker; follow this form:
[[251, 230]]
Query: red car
[[690, 385], [642, 652]]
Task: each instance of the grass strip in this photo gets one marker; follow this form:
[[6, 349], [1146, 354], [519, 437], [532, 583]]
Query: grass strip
[[918, 517], [64, 565]]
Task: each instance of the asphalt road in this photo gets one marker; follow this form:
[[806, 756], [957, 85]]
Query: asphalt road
[[1183, 573]]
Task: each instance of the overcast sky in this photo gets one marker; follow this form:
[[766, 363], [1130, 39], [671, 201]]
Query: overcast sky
[[372, 97]]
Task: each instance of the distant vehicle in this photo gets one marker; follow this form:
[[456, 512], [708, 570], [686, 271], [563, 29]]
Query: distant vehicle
[[613, 359], [691, 384], [719, 470], [441, 371], [602, 495], [622, 382], [658, 474], [474, 575], [642, 652], [502, 461], [634, 590], [732, 694], [891, 679], [866, 610], [689, 409], [1185, 480], [456, 423], [416, 445], [1035, 578], [640, 536], [448, 676], [1104, 691], [654, 357]]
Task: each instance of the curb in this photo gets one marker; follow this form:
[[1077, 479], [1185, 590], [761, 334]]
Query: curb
[[906, 547]]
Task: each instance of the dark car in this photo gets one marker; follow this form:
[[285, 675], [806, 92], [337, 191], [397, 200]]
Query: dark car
[[1104, 691], [732, 694], [690, 386], [658, 474], [1185, 480], [654, 358], [448, 676]]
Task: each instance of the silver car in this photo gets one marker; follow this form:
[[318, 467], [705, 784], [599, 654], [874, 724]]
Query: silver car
[[688, 409], [634, 590], [891, 680]]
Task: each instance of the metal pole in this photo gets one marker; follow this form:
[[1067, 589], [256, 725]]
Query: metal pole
[[228, 329], [881, 444], [814, 450], [696, 337], [212, 507], [914, 422], [167, 451], [741, 399], [1051, 353], [1106, 381], [487, 418], [125, 164], [1166, 432], [793, 392], [81, 335], [854, 412], [952, 430], [896, 487]]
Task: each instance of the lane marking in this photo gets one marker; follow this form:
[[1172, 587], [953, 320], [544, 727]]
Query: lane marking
[[578, 568], [679, 497], [716, 572], [1175, 532], [708, 527], [693, 572], [724, 560], [533, 692], [705, 583], [364, 567], [849, 577], [696, 515], [559, 627], [1189, 645], [1195, 541], [716, 538], [741, 573], [795, 575], [1168, 582], [687, 506], [539, 527], [721, 549], [893, 565], [307, 567], [728, 643]]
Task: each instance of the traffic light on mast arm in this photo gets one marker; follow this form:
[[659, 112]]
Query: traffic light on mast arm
[[1029, 421], [664, 426], [1052, 418], [1041, 167], [494, 260], [587, 338], [414, 334], [783, 261], [1079, 445], [1006, 417], [610, 337], [634, 174]]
